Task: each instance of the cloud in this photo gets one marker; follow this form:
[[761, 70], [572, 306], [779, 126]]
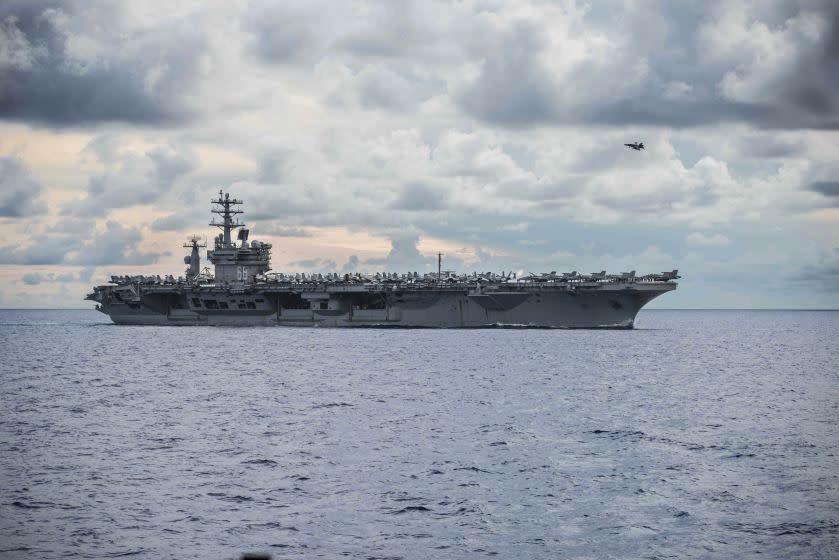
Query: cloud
[[86, 274], [19, 191], [272, 167], [568, 66], [172, 222], [420, 197], [379, 86], [403, 254], [43, 249], [81, 227], [283, 33], [787, 65], [699, 239], [435, 125], [60, 66], [827, 188], [131, 177], [32, 278], [281, 231], [351, 265], [169, 165], [115, 245], [824, 273], [36, 278], [316, 265]]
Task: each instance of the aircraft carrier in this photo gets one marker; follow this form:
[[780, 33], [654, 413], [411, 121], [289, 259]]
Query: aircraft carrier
[[242, 291]]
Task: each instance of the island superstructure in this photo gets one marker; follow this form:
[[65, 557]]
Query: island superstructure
[[241, 290]]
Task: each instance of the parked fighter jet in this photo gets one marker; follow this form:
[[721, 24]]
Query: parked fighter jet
[[637, 146]]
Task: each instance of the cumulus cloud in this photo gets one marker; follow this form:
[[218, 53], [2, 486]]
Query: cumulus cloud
[[283, 33], [744, 63], [782, 65], [131, 177], [351, 265], [42, 249], [116, 244], [403, 255], [19, 190], [59, 66]]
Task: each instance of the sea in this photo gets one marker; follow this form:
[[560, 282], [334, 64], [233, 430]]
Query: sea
[[699, 434]]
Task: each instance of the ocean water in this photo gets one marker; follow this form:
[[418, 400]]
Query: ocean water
[[700, 434]]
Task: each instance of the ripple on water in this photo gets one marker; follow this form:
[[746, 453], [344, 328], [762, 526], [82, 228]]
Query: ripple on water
[[706, 435]]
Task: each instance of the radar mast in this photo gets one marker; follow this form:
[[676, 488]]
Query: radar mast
[[226, 207], [193, 259]]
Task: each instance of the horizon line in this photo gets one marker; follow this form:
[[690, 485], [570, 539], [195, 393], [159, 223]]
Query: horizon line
[[652, 309]]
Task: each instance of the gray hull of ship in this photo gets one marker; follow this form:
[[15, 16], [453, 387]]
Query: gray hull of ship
[[612, 307]]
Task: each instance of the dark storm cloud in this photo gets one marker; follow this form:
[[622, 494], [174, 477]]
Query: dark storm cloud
[[139, 76], [657, 73], [19, 191], [827, 188]]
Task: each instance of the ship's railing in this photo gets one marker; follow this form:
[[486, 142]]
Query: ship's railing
[[394, 282], [147, 280], [453, 279], [466, 285], [463, 279]]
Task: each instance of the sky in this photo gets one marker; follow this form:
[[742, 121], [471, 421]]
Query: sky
[[371, 135]]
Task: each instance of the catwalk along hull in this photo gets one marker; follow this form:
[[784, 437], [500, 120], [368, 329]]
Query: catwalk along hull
[[596, 306]]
